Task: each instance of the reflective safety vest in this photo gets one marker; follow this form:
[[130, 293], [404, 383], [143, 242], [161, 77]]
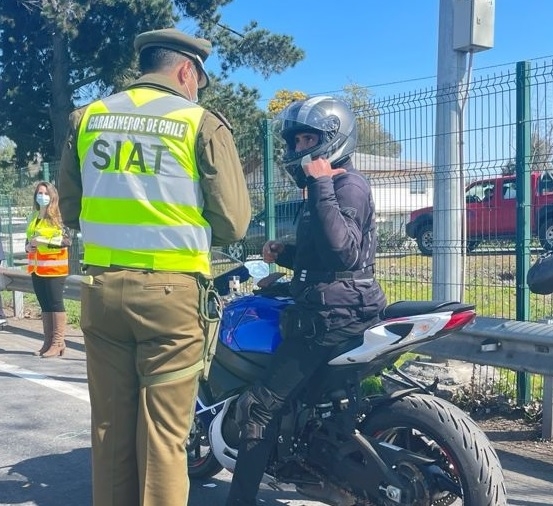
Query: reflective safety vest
[[142, 202], [46, 260]]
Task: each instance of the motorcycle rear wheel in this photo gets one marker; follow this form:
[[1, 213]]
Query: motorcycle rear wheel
[[201, 461], [437, 429]]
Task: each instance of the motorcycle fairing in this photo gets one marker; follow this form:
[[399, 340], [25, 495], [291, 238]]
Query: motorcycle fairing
[[251, 323], [386, 337], [225, 454]]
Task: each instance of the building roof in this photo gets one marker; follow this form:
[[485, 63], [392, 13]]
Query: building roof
[[385, 167]]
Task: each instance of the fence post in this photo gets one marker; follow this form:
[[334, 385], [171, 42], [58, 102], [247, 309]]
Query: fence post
[[46, 171], [522, 247], [268, 183], [18, 305], [75, 254]]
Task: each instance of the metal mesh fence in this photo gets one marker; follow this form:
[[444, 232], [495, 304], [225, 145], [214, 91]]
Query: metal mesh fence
[[396, 151]]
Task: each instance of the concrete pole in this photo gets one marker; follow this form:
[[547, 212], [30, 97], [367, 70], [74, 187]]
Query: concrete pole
[[447, 266]]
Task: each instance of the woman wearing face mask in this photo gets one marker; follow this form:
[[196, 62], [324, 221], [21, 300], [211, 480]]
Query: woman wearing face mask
[[47, 251]]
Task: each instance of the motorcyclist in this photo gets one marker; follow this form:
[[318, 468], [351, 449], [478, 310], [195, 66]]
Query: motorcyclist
[[333, 286]]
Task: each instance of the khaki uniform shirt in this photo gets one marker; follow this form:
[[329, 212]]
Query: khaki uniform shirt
[[226, 200]]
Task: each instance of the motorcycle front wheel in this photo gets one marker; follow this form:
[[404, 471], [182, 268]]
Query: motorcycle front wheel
[[439, 430], [201, 461]]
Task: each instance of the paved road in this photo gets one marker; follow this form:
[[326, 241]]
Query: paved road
[[44, 435]]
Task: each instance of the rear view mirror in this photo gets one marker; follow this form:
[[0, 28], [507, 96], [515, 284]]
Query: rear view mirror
[[257, 269]]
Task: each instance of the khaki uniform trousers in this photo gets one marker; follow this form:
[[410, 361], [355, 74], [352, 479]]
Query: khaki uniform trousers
[[144, 344]]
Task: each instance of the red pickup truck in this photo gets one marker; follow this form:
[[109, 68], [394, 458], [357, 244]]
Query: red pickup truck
[[491, 212]]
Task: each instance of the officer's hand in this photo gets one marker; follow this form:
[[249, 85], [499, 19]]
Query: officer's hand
[[271, 250], [320, 167]]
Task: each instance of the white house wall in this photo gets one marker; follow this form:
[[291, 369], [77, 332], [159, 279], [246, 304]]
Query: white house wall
[[396, 198]]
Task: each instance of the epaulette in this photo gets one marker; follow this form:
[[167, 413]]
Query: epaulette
[[224, 120]]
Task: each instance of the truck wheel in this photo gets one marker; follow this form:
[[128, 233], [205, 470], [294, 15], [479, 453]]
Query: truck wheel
[[237, 251], [546, 234], [472, 245], [425, 239]]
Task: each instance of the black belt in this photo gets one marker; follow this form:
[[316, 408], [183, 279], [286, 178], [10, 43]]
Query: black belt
[[118, 268], [307, 276]]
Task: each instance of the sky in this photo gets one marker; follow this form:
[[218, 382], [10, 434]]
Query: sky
[[389, 46]]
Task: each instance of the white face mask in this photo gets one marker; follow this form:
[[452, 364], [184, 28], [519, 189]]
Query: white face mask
[[42, 199], [190, 97]]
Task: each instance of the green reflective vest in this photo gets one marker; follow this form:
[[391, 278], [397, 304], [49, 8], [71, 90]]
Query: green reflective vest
[[142, 202]]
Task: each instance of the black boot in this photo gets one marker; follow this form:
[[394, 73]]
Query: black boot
[[253, 455]]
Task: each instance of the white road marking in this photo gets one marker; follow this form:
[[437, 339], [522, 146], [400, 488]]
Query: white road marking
[[45, 381]]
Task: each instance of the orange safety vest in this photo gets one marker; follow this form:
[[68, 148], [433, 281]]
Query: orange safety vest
[[45, 260]]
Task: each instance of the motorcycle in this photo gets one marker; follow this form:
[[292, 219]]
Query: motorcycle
[[336, 444]]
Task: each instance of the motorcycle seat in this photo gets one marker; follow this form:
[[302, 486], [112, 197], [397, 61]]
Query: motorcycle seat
[[406, 308]]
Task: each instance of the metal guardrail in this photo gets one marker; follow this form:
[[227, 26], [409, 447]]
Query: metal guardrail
[[519, 346]]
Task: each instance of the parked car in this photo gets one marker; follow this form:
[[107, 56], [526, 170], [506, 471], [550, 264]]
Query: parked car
[[286, 215], [491, 207]]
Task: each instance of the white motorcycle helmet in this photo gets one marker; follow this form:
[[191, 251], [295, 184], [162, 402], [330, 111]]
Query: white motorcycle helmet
[[331, 119]]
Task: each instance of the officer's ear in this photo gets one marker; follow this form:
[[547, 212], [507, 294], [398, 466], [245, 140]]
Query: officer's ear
[[181, 72], [185, 71]]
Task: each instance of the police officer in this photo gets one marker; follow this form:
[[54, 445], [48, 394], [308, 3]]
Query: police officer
[[152, 180], [336, 295]]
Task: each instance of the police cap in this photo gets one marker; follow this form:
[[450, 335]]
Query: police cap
[[170, 38]]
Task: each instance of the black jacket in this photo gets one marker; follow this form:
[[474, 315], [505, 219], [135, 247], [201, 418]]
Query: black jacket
[[336, 240]]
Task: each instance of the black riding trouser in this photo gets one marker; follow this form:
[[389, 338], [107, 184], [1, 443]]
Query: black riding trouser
[[294, 363]]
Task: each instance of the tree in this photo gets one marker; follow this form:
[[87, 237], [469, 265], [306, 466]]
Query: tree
[[541, 152], [50, 63], [237, 103], [282, 99], [372, 138], [251, 47], [8, 174], [50, 60]]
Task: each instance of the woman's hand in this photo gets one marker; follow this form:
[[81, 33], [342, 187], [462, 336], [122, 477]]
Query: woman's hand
[[31, 245]]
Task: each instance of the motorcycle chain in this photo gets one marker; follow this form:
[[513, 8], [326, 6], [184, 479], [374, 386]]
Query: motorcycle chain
[[359, 501], [362, 501]]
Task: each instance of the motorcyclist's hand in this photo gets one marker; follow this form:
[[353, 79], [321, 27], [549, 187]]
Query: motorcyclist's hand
[[271, 250], [320, 167]]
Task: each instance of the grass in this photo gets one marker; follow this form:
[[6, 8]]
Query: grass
[[489, 284], [32, 308], [373, 384]]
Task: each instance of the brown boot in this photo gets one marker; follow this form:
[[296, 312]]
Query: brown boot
[[57, 348], [48, 328]]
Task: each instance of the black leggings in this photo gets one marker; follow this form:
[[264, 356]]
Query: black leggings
[[49, 292]]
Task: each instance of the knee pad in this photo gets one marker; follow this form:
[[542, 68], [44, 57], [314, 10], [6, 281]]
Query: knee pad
[[255, 408]]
